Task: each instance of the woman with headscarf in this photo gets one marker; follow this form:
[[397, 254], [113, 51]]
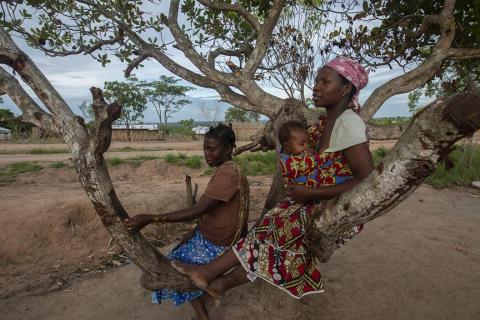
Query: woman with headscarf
[[275, 249]]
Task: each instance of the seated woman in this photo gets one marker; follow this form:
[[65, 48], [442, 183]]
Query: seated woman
[[222, 214], [275, 249]]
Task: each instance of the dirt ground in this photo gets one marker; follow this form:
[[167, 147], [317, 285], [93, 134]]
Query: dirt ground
[[419, 261]]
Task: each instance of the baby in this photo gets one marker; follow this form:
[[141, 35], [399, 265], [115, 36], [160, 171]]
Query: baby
[[298, 163]]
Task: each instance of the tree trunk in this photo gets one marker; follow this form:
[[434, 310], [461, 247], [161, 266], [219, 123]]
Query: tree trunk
[[191, 192], [129, 138], [95, 179]]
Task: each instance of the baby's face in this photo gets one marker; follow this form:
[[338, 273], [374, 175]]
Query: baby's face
[[297, 142]]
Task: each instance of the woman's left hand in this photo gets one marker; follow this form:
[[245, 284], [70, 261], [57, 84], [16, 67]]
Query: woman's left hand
[[137, 222], [298, 193]]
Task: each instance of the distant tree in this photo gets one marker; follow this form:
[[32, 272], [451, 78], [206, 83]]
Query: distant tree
[[164, 95], [6, 114], [187, 127], [236, 114], [10, 121], [130, 96]]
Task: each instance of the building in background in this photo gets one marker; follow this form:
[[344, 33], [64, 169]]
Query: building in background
[[5, 134]]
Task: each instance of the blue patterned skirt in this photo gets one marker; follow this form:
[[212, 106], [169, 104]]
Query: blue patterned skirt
[[197, 250]]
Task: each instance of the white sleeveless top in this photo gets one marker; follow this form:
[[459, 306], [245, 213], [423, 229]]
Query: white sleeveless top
[[348, 130]]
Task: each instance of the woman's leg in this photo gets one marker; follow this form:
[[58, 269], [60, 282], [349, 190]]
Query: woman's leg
[[202, 275], [219, 286], [200, 309]]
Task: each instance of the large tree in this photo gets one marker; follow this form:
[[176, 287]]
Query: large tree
[[165, 95], [132, 99], [243, 32]]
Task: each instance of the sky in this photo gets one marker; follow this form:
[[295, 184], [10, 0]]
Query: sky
[[72, 76]]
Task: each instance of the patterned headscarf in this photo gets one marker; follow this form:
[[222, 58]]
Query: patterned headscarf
[[353, 72]]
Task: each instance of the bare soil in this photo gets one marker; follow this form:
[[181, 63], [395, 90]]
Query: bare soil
[[419, 261]]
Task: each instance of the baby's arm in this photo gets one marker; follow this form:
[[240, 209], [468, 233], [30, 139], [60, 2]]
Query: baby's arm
[[204, 205]]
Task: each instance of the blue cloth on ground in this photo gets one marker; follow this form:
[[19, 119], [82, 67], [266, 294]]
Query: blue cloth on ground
[[197, 250]]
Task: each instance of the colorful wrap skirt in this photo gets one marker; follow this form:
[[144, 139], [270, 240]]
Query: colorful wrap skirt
[[275, 250], [197, 250]]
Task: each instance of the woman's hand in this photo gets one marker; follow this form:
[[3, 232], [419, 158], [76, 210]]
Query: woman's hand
[[138, 222], [187, 236], [298, 193]]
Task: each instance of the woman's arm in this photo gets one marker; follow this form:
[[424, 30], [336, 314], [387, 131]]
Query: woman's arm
[[360, 162], [204, 205]]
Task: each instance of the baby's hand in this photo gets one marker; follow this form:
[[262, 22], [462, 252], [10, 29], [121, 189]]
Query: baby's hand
[[298, 193]]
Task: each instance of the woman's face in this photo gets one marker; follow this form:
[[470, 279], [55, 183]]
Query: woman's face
[[328, 89], [215, 152]]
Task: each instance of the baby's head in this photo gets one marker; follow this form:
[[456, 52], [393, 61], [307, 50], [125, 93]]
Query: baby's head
[[293, 137]]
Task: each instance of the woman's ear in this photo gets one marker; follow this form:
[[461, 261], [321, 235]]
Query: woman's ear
[[229, 150], [347, 91]]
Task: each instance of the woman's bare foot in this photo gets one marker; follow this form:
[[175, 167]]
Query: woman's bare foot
[[210, 301], [215, 290], [199, 279]]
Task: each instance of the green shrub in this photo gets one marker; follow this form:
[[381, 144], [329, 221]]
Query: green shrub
[[136, 161], [258, 163], [172, 158], [126, 149], [208, 171], [9, 172], [57, 165], [114, 161], [463, 172], [379, 154], [181, 159], [48, 151], [194, 162]]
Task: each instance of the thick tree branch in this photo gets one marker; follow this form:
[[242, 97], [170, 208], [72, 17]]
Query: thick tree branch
[[105, 115], [464, 54], [263, 40], [223, 6], [226, 52], [428, 139], [186, 46], [134, 64], [243, 102], [424, 72], [31, 112], [82, 49], [12, 56]]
